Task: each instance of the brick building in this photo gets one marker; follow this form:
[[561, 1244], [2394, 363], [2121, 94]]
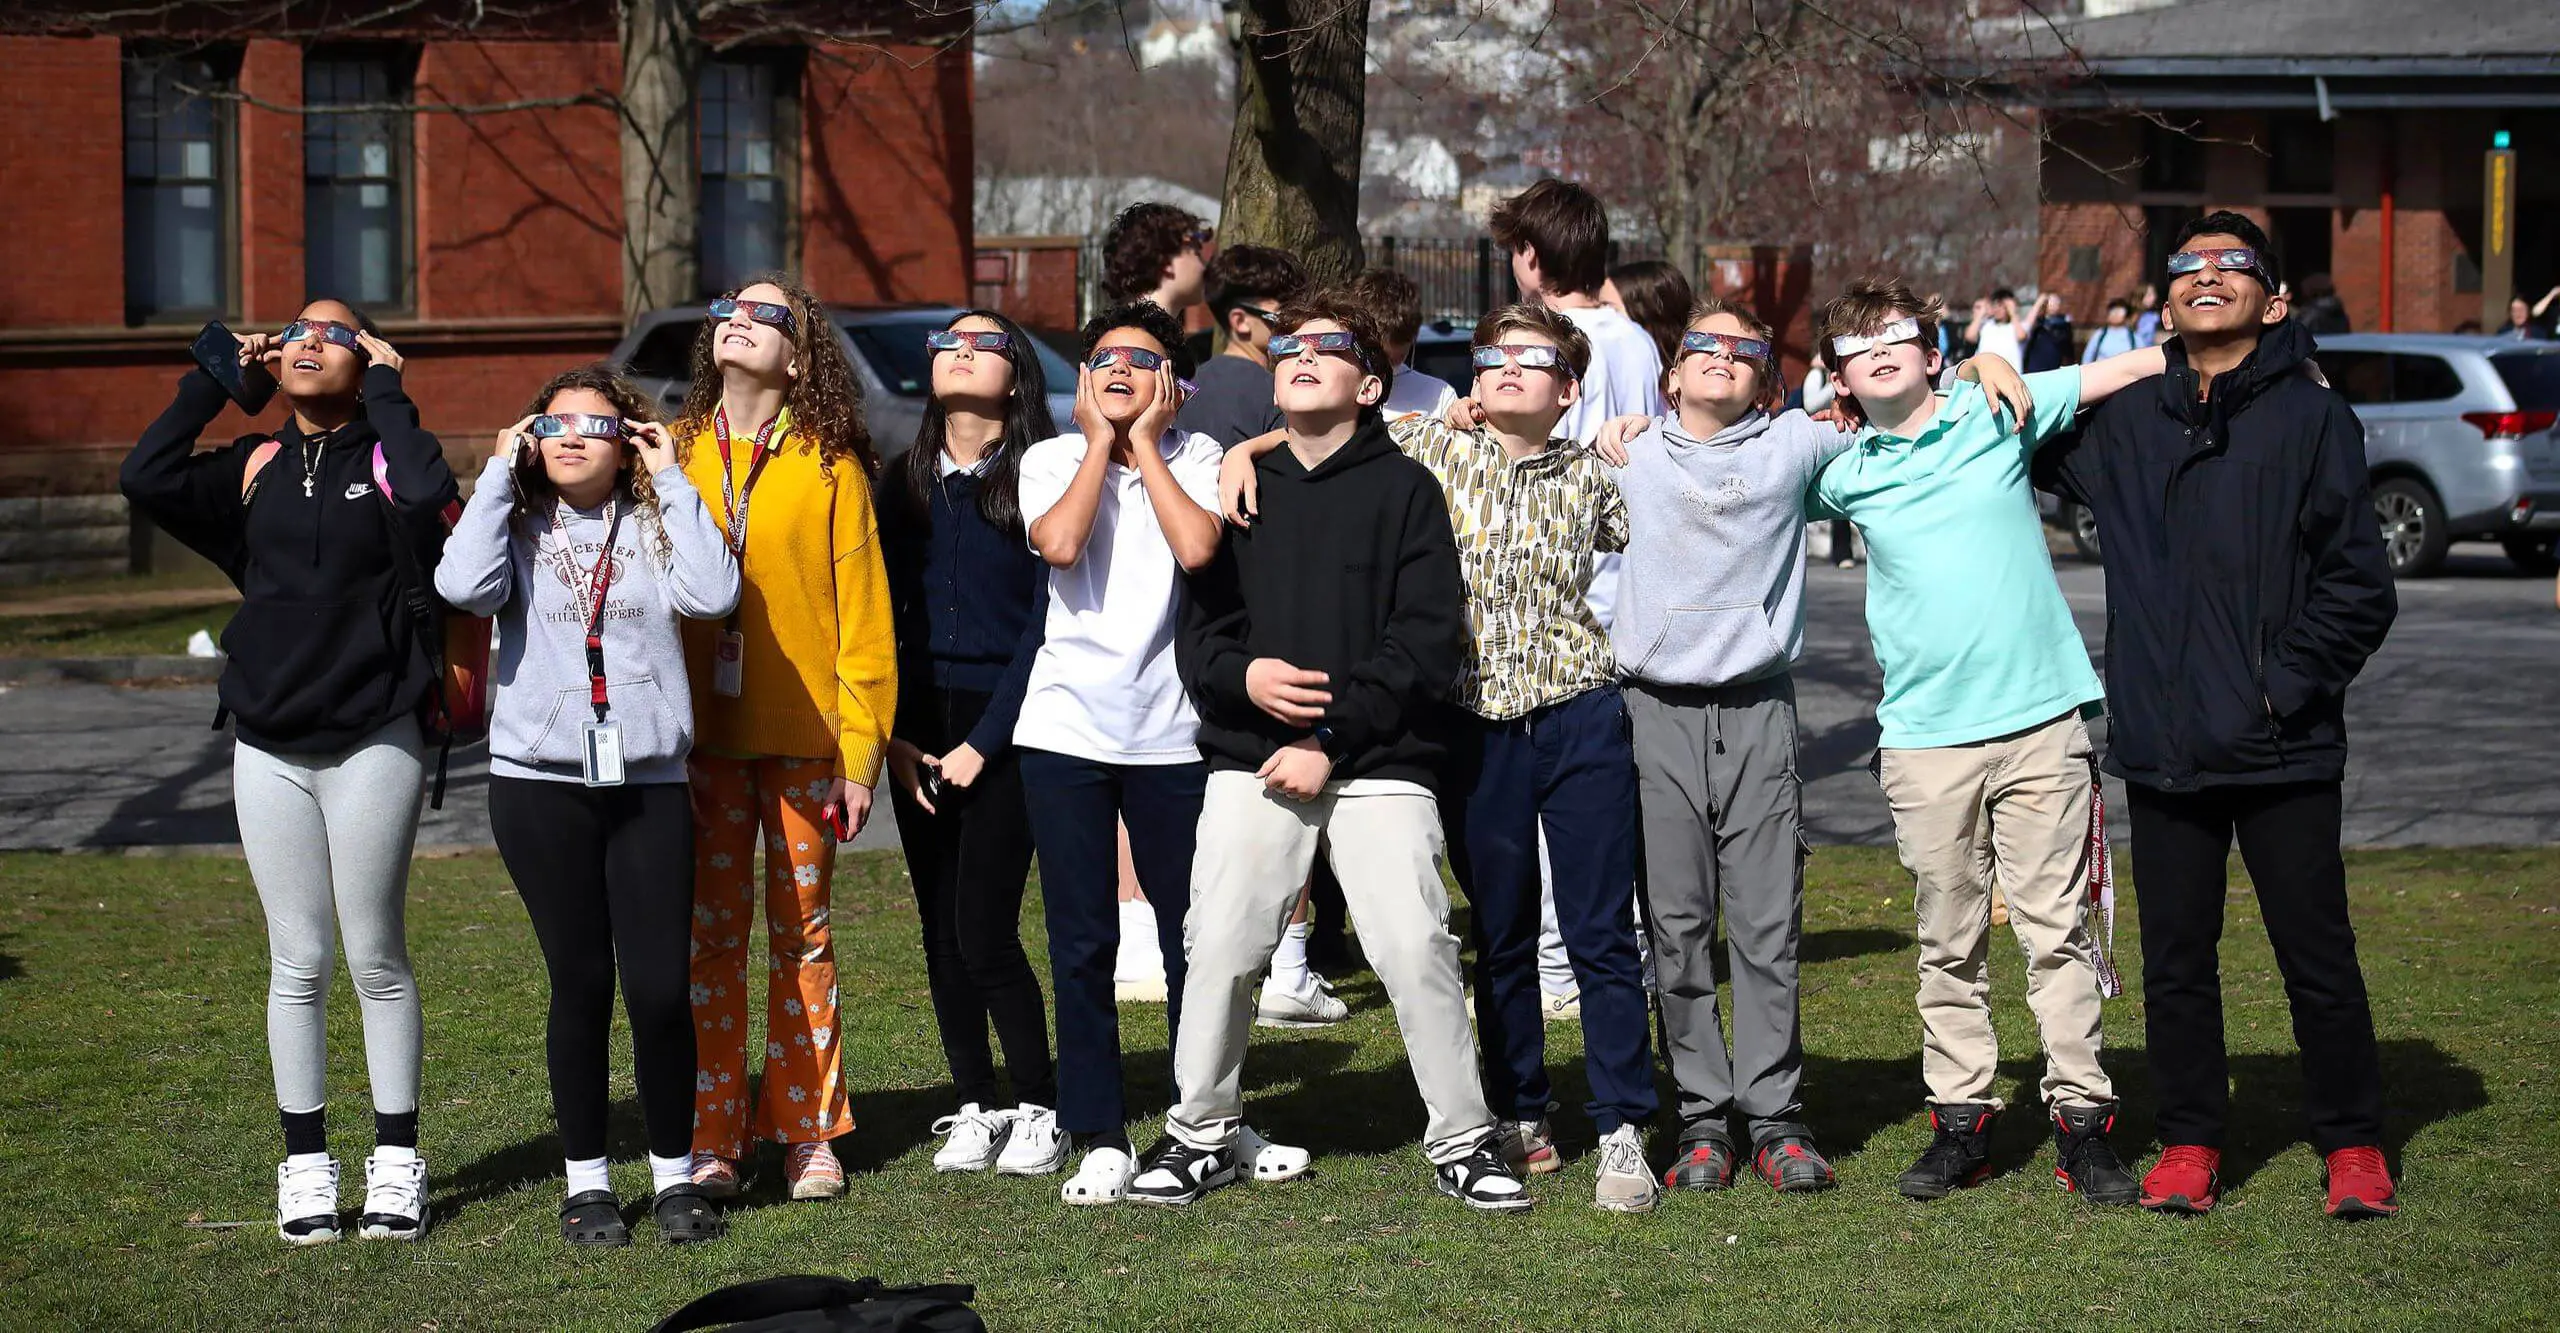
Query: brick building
[[486, 244], [2352, 130]]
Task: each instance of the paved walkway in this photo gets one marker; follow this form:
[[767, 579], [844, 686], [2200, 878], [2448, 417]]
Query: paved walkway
[[2449, 728]]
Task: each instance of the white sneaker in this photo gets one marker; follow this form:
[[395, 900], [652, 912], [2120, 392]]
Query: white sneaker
[[1626, 1183], [1313, 1007], [1103, 1179], [975, 1137], [1267, 1161], [307, 1199], [395, 1195], [1037, 1148]]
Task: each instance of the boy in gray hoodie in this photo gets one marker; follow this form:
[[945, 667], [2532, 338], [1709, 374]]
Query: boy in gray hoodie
[[1710, 623]]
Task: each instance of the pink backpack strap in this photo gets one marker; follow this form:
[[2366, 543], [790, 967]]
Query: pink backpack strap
[[264, 453], [382, 483]]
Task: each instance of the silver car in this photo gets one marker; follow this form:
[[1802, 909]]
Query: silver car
[[2459, 431], [884, 343]]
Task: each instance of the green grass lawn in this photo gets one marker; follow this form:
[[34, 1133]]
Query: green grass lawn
[[137, 1101], [120, 632]]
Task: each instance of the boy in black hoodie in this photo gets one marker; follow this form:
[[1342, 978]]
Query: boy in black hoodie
[[1315, 648], [2246, 586]]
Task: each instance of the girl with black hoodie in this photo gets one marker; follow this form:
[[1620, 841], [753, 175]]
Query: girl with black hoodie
[[327, 669], [968, 591]]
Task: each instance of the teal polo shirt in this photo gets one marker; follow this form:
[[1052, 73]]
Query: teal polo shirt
[[1971, 629]]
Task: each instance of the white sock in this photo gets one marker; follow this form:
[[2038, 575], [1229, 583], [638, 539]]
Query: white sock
[[391, 1152], [669, 1171], [300, 1160], [1141, 957], [588, 1174], [1289, 961]]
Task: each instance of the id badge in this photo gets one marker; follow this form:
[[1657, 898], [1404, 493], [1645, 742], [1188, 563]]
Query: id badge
[[603, 763], [729, 665]]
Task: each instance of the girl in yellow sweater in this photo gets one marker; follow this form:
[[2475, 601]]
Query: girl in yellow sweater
[[792, 699]]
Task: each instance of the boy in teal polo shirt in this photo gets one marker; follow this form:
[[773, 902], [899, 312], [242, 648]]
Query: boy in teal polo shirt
[[1984, 754]]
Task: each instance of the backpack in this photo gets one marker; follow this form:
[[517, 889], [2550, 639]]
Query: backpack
[[828, 1305], [457, 644]]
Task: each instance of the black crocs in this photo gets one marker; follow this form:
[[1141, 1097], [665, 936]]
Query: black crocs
[[593, 1217], [685, 1215]]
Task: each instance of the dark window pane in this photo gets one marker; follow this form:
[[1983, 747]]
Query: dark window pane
[[2173, 161], [2301, 155], [2533, 377], [355, 228], [176, 218], [2360, 377], [2423, 379], [896, 352]]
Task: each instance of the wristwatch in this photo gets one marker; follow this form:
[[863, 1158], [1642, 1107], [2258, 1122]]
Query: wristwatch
[[1330, 743]]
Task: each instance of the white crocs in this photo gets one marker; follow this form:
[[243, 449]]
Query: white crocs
[[1103, 1179], [1270, 1162]]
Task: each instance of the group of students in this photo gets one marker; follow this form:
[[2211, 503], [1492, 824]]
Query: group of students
[[1544, 631]]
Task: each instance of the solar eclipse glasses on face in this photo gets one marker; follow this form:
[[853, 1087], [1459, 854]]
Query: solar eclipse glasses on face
[[762, 312]]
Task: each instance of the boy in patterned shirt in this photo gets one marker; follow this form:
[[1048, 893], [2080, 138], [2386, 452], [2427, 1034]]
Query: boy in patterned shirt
[[1538, 736]]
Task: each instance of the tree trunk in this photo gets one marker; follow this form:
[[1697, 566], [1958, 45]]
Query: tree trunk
[[1293, 170], [661, 197]]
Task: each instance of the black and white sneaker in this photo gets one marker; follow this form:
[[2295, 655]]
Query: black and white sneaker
[[1177, 1173], [307, 1199], [395, 1195], [1483, 1181]]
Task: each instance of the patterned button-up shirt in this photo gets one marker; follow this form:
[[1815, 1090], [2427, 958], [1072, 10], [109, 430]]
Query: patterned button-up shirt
[[1526, 533]]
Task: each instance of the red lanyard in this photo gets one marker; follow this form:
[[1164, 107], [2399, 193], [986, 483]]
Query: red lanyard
[[599, 581], [735, 500]]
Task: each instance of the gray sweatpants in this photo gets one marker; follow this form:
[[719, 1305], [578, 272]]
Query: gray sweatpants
[[1255, 849], [328, 838], [1724, 839]]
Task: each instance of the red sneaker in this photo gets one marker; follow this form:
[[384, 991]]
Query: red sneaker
[[2360, 1184], [2186, 1179]]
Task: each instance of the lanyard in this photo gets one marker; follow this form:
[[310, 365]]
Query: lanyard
[[734, 497], [599, 581]]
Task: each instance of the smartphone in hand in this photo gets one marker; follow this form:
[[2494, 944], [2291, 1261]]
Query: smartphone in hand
[[217, 349]]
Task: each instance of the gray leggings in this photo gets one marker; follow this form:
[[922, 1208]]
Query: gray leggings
[[328, 838]]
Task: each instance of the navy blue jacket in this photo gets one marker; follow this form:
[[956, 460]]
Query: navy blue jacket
[[2246, 583], [970, 603]]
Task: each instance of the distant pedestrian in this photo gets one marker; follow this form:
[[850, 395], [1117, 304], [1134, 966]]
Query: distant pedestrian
[[2115, 337], [2318, 308], [1159, 253], [2534, 320]]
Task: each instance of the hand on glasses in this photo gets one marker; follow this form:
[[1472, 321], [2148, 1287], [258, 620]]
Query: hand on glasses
[[762, 312]]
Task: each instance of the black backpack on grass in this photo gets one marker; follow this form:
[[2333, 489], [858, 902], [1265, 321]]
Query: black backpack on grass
[[828, 1305]]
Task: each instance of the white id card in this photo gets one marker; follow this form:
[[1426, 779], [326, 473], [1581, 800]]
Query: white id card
[[728, 665], [603, 763]]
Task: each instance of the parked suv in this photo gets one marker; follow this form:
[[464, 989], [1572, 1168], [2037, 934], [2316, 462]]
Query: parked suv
[[2459, 432], [884, 343]]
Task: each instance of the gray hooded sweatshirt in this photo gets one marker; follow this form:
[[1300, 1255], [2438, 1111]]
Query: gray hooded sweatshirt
[[1713, 592], [533, 577]]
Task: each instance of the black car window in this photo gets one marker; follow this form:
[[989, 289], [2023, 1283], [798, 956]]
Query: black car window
[[666, 352], [2423, 379], [896, 353], [1450, 360], [2360, 377], [2533, 377]]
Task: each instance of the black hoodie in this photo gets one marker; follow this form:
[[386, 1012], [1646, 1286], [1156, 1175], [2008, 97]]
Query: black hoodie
[[323, 650], [2246, 583], [1351, 570]]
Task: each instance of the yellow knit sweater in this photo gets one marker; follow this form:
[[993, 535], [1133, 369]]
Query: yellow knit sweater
[[821, 666]]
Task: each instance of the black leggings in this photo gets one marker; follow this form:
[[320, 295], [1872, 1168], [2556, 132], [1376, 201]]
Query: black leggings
[[606, 873], [968, 863]]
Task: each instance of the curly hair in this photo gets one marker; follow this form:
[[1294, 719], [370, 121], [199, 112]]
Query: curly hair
[[824, 399], [1148, 318], [534, 491], [1142, 240]]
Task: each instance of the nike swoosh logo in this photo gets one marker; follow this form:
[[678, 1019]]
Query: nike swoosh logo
[[359, 491]]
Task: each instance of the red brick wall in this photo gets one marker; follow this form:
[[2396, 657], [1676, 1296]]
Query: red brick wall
[[1032, 278], [65, 192], [269, 192], [519, 215], [885, 170]]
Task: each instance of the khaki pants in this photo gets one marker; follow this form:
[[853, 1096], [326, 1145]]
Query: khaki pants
[[1255, 849], [2013, 811]]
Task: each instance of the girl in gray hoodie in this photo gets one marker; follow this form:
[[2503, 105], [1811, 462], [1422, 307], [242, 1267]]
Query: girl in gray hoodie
[[587, 542]]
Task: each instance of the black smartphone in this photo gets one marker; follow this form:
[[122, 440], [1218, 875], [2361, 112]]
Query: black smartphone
[[218, 351]]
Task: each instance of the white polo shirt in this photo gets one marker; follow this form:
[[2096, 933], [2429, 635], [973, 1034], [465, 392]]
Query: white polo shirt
[[1104, 686]]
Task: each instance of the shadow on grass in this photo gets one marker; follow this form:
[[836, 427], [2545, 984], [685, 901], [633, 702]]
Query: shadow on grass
[[1831, 946], [10, 967]]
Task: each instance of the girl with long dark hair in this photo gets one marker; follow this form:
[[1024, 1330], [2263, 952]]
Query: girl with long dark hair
[[324, 526], [969, 593], [793, 693], [587, 542]]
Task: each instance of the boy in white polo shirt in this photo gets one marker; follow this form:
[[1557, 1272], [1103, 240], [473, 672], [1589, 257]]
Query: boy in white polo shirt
[[1984, 755], [1120, 510]]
